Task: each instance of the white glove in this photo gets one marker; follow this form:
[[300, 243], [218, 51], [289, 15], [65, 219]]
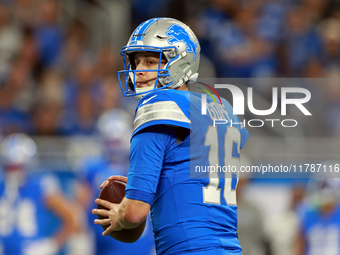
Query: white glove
[[45, 246]]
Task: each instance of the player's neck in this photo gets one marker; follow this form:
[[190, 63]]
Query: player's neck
[[183, 87]]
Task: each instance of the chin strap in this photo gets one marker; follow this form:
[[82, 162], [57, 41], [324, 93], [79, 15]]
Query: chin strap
[[143, 90], [139, 97], [187, 78], [193, 78]]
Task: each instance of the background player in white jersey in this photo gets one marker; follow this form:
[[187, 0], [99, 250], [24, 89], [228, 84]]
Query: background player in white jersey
[[170, 137]]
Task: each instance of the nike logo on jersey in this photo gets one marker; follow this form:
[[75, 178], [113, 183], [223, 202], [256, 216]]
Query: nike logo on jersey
[[147, 100]]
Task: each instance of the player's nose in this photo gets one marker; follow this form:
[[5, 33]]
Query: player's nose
[[138, 68]]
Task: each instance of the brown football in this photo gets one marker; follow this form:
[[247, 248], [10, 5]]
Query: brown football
[[114, 191]]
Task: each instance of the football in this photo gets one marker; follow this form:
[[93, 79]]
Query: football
[[114, 191]]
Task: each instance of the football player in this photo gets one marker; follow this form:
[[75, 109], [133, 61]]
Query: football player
[[35, 218], [320, 226], [171, 138]]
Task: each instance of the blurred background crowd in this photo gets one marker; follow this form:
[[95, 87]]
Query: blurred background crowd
[[59, 86], [59, 59]]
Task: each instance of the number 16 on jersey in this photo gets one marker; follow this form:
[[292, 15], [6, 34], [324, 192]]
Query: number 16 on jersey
[[232, 139]]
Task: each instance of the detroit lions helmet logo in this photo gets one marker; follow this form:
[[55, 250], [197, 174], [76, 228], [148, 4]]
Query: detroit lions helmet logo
[[179, 34]]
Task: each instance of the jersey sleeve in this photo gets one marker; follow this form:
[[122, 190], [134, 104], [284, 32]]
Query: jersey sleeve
[[162, 108], [148, 148]]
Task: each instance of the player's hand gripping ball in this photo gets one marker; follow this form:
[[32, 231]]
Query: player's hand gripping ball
[[114, 192]]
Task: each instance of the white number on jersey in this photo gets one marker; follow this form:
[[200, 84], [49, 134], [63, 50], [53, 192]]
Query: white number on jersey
[[324, 240], [22, 217], [211, 193]]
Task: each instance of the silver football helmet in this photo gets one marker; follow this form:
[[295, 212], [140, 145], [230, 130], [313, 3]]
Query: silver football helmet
[[115, 128], [17, 149], [175, 42], [323, 190]]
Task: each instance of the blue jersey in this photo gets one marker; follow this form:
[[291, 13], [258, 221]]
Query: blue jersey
[[190, 210], [322, 232], [24, 217], [94, 174]]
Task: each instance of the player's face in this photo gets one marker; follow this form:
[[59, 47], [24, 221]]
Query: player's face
[[147, 61]]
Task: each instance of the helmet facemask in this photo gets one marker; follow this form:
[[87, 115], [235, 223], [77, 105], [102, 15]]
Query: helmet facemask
[[162, 79]]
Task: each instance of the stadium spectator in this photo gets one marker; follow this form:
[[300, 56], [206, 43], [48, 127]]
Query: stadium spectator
[[10, 41], [49, 35]]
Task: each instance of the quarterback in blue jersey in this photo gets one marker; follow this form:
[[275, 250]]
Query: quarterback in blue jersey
[[191, 213]]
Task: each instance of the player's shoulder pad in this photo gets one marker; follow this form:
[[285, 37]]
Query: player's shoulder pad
[[167, 107]]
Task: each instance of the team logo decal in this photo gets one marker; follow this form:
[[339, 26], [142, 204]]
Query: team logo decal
[[179, 34]]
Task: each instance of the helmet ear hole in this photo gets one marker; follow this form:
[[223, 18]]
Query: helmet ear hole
[[185, 66], [164, 58]]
